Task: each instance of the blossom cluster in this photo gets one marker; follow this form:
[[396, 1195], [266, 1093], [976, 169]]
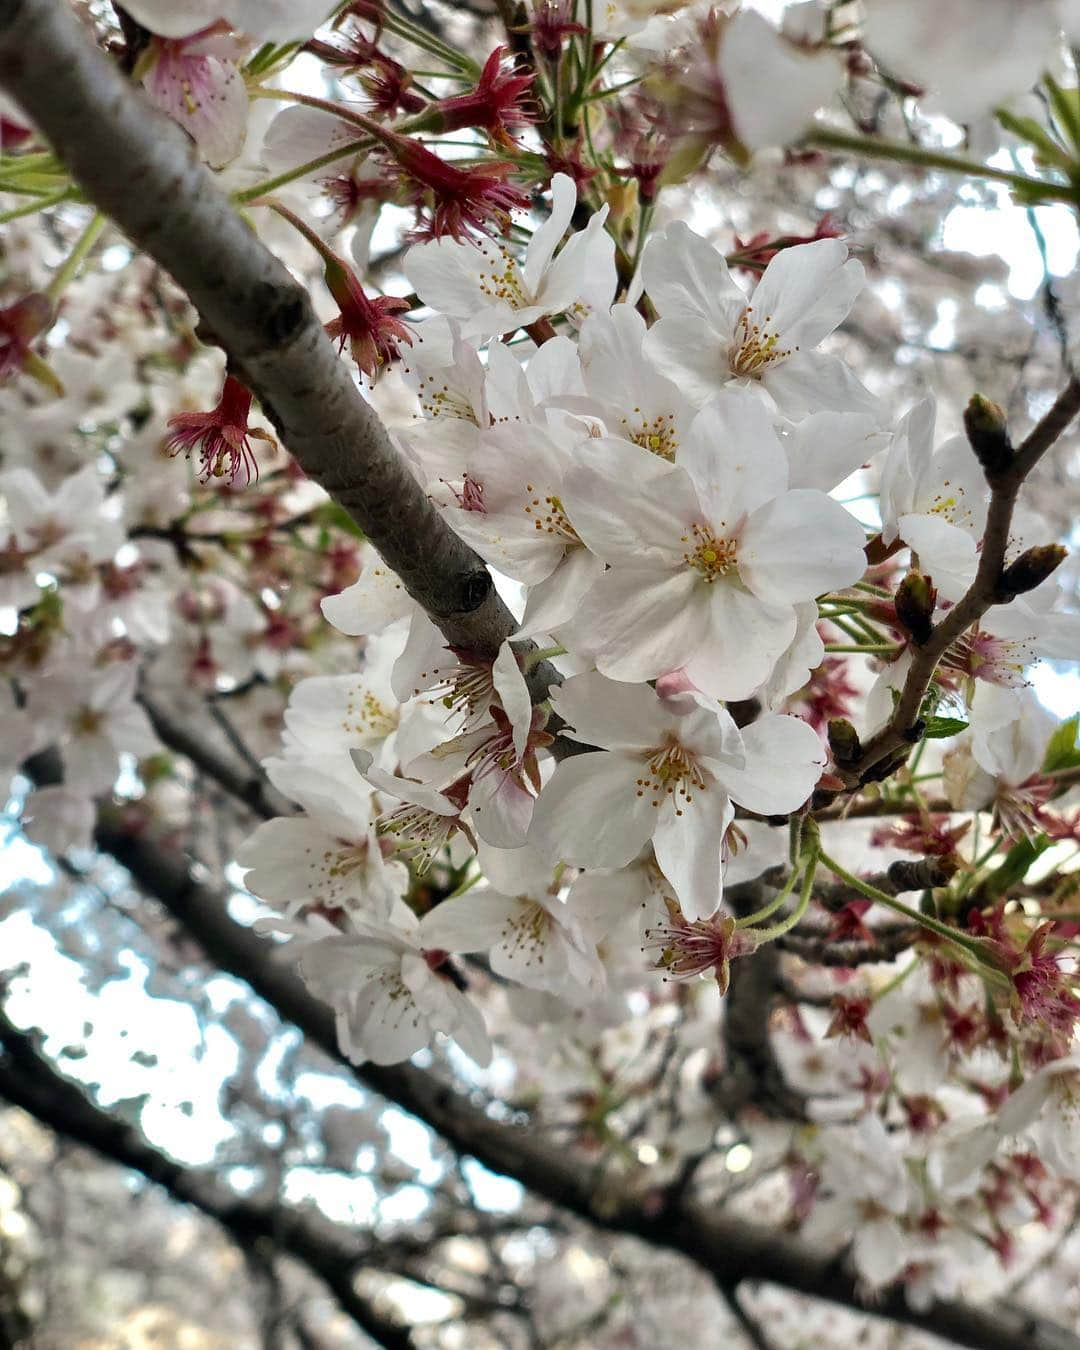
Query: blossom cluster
[[723, 555]]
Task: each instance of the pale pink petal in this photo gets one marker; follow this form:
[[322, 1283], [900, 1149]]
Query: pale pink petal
[[799, 546], [592, 812], [689, 850]]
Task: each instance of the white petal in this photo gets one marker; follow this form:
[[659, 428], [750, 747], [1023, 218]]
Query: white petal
[[590, 813], [689, 848], [631, 522], [825, 448], [741, 641], [755, 58], [686, 277], [641, 623], [784, 760], [556, 599], [799, 546], [609, 713], [370, 604], [809, 382], [734, 457]]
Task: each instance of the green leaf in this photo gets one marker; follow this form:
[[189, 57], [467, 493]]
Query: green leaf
[[335, 517], [1062, 750], [1066, 104], [1016, 864], [937, 728], [1044, 145]]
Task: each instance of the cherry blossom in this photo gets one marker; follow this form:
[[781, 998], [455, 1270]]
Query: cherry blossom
[[488, 292], [531, 934], [269, 20], [935, 501], [94, 719], [938, 46], [196, 80], [710, 332], [666, 771], [707, 562], [328, 859], [65, 533], [391, 993]]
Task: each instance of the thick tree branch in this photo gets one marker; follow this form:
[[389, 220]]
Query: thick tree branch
[[727, 1247], [139, 168], [28, 1080]]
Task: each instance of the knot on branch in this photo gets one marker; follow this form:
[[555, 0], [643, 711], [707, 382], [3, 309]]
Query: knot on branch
[[281, 312], [916, 600], [475, 588]]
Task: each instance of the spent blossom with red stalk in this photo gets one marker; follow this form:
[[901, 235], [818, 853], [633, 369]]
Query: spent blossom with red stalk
[[849, 1018], [1041, 992], [498, 105], [366, 323], [20, 324], [702, 947], [459, 202], [222, 436], [553, 22]]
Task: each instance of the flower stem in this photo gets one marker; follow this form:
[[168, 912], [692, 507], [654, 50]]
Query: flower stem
[[866, 647], [77, 256], [396, 23], [972, 945], [773, 905], [785, 925], [269, 185], [543, 654], [318, 244], [827, 139], [38, 204]]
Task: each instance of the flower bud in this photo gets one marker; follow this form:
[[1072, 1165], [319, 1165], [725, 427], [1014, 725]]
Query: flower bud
[[1029, 570], [915, 598], [844, 741], [988, 434]]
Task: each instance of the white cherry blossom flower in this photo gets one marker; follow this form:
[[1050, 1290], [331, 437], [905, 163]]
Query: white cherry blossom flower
[[708, 562], [449, 380], [428, 818], [1045, 1109], [531, 934], [65, 533], [623, 387], [935, 501], [666, 771], [298, 135], [969, 55], [59, 819], [197, 81], [269, 20], [496, 759], [328, 859], [710, 332], [511, 512], [375, 602], [391, 993], [867, 1192], [485, 289], [93, 717], [755, 57]]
